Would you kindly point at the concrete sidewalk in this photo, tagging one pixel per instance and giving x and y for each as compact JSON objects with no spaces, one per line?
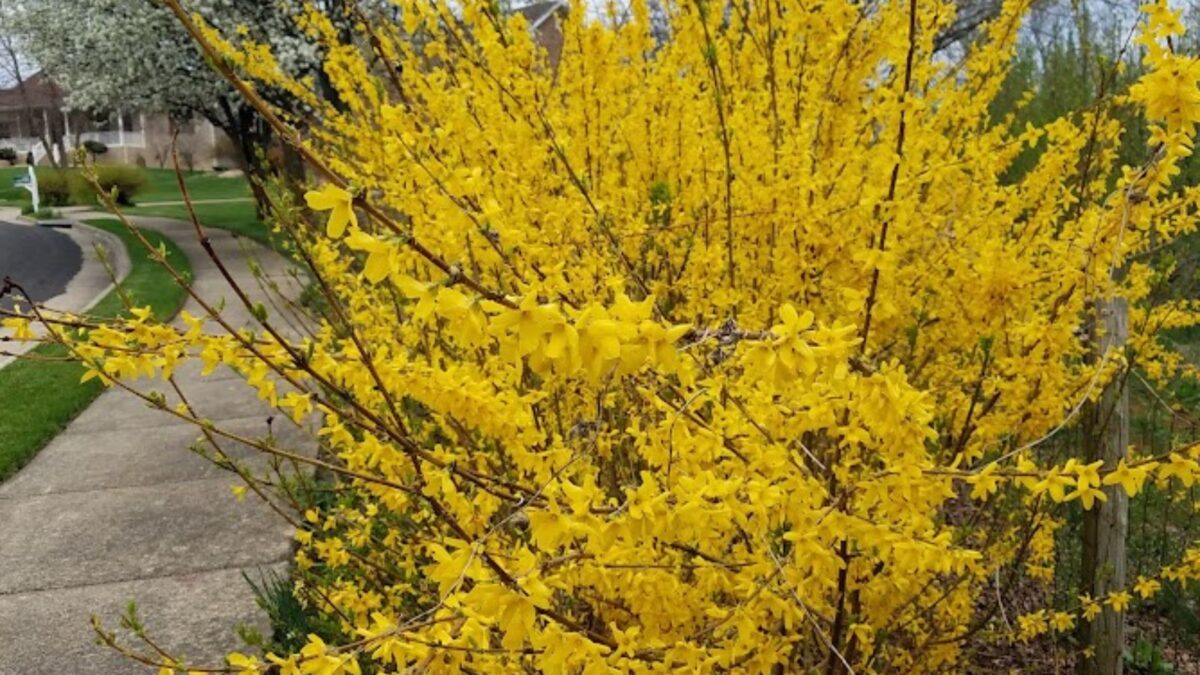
{"x":117,"y":508}
{"x":198,"y":202}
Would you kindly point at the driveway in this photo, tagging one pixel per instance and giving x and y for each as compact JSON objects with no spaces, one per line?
{"x":42,"y":260}
{"x":58,"y":268}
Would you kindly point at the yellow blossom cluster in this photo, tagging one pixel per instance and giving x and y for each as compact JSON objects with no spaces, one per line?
{"x":731,"y":352}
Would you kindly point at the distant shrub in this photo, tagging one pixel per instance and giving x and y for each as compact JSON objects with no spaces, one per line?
{"x":95,"y":147}
{"x":8,"y":155}
{"x":54,"y":187}
{"x":128,"y":181}
{"x":80,"y":191}
{"x":43,"y":213}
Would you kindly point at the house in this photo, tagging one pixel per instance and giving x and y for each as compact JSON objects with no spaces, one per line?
{"x":33,"y":114}
{"x":34,"y":119}
{"x":544,"y":22}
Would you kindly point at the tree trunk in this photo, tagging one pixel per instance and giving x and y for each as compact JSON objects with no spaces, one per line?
{"x":258,"y":172}
{"x":251,"y":136}
{"x":294,"y":172}
{"x":1106,"y":437}
{"x":46,"y":137}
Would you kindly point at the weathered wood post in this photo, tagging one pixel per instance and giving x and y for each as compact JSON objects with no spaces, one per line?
{"x":1106,"y":437}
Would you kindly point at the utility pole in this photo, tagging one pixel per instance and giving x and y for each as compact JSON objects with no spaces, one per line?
{"x":1106,"y":437}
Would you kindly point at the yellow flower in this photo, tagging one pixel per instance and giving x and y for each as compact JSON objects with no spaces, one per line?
{"x":338,"y":202}
{"x":1163,"y":20}
{"x":1119,"y":600}
{"x":599,"y":340}
{"x":300,"y":405}
{"x":380,"y":258}
{"x":20,"y":327}
{"x":1032,"y":625}
{"x":1170,"y":92}
{"x":287,"y":666}
{"x":1088,"y":497}
{"x":1129,"y":478}
{"x":466,"y":319}
{"x":984,"y":483}
{"x":245,"y":665}
{"x":529,"y":323}
{"x":657,"y":343}
{"x":1146,"y":587}
{"x":1056,"y":484}
{"x":1062,"y":621}
{"x":424,"y":293}
{"x":1182,"y":468}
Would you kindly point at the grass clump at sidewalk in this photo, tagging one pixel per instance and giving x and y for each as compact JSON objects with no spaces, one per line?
{"x":41,"y":395}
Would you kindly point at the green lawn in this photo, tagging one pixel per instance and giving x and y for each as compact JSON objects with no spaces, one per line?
{"x":39,"y":398}
{"x":163,"y":187}
{"x":10,"y":194}
{"x":237,"y":217}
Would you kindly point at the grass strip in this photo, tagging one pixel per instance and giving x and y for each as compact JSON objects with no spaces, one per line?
{"x":240,"y":218}
{"x":39,"y":398}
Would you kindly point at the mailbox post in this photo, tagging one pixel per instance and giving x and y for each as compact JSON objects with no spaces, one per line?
{"x":30,"y":183}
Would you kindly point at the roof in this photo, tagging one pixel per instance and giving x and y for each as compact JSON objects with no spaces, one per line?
{"x":537,"y":13}
{"x":41,"y":93}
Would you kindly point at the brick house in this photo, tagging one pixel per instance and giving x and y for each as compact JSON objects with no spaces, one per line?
{"x":32,"y":113}
{"x":543,"y":19}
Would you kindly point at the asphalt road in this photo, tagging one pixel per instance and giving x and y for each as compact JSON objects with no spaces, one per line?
{"x":43,"y":261}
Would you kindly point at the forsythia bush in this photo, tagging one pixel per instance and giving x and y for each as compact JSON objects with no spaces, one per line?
{"x":734,"y":352}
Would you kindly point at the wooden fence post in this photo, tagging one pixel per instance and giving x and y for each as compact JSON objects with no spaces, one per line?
{"x":1106,"y":437}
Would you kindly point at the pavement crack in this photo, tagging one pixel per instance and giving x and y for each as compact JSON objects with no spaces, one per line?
{"x":148,"y":577}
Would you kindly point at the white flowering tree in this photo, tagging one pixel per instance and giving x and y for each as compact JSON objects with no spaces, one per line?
{"x":122,"y":54}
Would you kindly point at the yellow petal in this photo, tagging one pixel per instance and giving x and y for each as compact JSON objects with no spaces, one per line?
{"x":328,"y":197}
{"x":337,"y":222}
{"x":378,"y":266}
